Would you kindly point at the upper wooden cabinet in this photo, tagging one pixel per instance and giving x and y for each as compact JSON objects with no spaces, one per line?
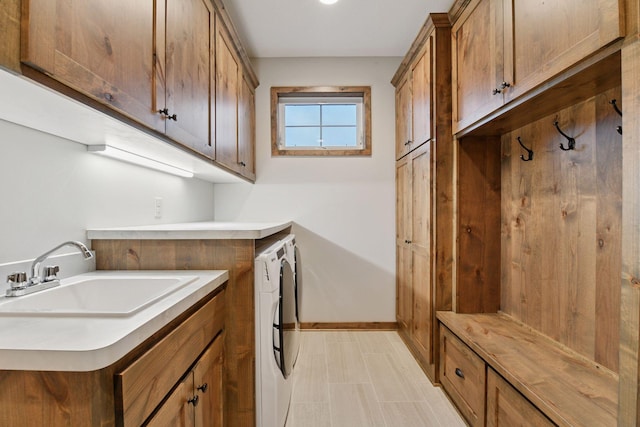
{"x":404,"y":137}
{"x":503,"y":48}
{"x":173,"y":66}
{"x":183,"y":68}
{"x":101,"y":49}
{"x":235,"y":109}
{"x":421,"y":95}
{"x":246,"y":129}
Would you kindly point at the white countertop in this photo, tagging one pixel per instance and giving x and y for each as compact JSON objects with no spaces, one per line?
{"x":88,"y":343}
{"x":191,"y":230}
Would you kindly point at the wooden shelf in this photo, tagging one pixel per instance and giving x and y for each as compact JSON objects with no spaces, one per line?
{"x":567,"y":387}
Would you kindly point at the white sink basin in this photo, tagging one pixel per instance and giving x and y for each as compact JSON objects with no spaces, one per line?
{"x":115,"y":295}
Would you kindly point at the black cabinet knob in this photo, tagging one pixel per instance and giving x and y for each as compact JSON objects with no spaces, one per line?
{"x":203,"y":388}
{"x":459,"y":373}
{"x":193,"y":401}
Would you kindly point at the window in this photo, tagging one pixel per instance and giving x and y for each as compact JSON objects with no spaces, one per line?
{"x":320,"y":121}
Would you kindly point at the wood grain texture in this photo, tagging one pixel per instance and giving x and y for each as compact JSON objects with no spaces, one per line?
{"x":246,"y":129}
{"x":507,"y":407}
{"x":463,"y":375}
{"x":227,"y":95}
{"x":366,"y":326}
{"x":404,"y":127}
{"x":238,"y":257}
{"x":102,"y":54}
{"x":478,"y":208}
{"x":629,"y":409}
{"x":144,"y":384}
{"x":477,"y":61}
{"x":208,"y":383}
{"x":561,"y":236}
{"x":567,"y":387}
{"x":543,"y":42}
{"x":422,"y":95}
{"x":10,"y":16}
{"x":188,"y":72}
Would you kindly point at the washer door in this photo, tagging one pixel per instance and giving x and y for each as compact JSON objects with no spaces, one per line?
{"x":285,"y":325}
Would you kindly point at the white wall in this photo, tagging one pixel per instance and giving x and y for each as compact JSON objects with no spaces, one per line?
{"x":343,"y":208}
{"x":52,"y":190}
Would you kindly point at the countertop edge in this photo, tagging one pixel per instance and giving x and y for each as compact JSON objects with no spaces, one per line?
{"x":98,"y":358}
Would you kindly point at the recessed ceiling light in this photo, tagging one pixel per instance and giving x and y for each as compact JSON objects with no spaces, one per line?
{"x":328,"y":1}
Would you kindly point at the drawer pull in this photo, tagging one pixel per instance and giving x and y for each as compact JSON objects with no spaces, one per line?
{"x":459,"y":373}
{"x":203,"y":388}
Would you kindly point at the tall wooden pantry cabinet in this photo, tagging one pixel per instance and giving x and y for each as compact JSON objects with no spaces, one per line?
{"x":424,"y":189}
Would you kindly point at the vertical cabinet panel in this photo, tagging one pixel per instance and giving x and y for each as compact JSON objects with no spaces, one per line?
{"x":507,"y":407}
{"x":404,"y":296}
{"x":176,"y":410}
{"x":403,"y":118}
{"x":477,"y":61}
{"x":101,"y":49}
{"x":422,"y":96}
{"x":421,"y":250}
{"x":187,"y":73}
{"x":246,"y":130}
{"x":227,"y":72}
{"x":207,"y":376}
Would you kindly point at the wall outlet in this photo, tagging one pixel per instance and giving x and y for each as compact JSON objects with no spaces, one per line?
{"x":158,"y":207}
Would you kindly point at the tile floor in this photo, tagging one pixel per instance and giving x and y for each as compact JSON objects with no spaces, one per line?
{"x":363,"y":378}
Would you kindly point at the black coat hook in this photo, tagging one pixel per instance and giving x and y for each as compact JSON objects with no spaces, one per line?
{"x":572,"y":142}
{"x":615,"y":107}
{"x":529,"y":152}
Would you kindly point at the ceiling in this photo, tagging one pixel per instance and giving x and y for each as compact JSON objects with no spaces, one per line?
{"x":308,"y":28}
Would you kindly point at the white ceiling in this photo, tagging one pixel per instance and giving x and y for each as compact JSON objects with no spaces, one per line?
{"x":308,"y":28}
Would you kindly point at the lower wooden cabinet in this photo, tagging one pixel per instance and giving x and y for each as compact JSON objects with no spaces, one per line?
{"x":197,"y":400}
{"x":463,"y":375}
{"x":507,"y":407}
{"x":146,"y":383}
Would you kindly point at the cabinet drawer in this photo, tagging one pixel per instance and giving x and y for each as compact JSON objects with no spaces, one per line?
{"x":144,"y":383}
{"x":463,"y":375}
{"x":507,"y":407}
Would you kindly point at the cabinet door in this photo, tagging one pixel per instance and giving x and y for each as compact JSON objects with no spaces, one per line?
{"x":421,"y":95}
{"x":176,"y":411}
{"x":477,"y":62}
{"x":403,"y":118}
{"x":246,"y":130}
{"x":101,"y":49}
{"x":187,"y":72}
{"x":546,"y":37}
{"x":208,"y":384}
{"x":507,"y":407}
{"x":421,"y":246}
{"x":227,"y":83}
{"x":404,"y":297}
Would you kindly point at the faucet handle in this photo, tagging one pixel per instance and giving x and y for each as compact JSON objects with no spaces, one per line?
{"x":17,"y":279}
{"x":50,"y":272}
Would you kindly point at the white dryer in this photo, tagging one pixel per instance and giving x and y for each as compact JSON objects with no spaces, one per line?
{"x":291,"y":252}
{"x":277,"y":335}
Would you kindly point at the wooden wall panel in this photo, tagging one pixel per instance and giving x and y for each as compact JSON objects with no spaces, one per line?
{"x":629,"y":404}
{"x":237,"y":256}
{"x":561,"y":215}
{"x":10,"y":40}
{"x":478,"y":255}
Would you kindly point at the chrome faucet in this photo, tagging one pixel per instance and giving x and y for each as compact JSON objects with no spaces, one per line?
{"x":21,"y":285}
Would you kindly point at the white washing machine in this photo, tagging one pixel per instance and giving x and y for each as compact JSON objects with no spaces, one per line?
{"x":291,"y":252}
{"x":277,"y":335}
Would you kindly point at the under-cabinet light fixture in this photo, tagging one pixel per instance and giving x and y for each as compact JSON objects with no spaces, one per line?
{"x":328,"y":1}
{"x":125,"y":156}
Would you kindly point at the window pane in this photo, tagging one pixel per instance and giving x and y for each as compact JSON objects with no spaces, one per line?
{"x":339,"y":137}
{"x":302,"y":115}
{"x":302,"y":137}
{"x":344,"y":114}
